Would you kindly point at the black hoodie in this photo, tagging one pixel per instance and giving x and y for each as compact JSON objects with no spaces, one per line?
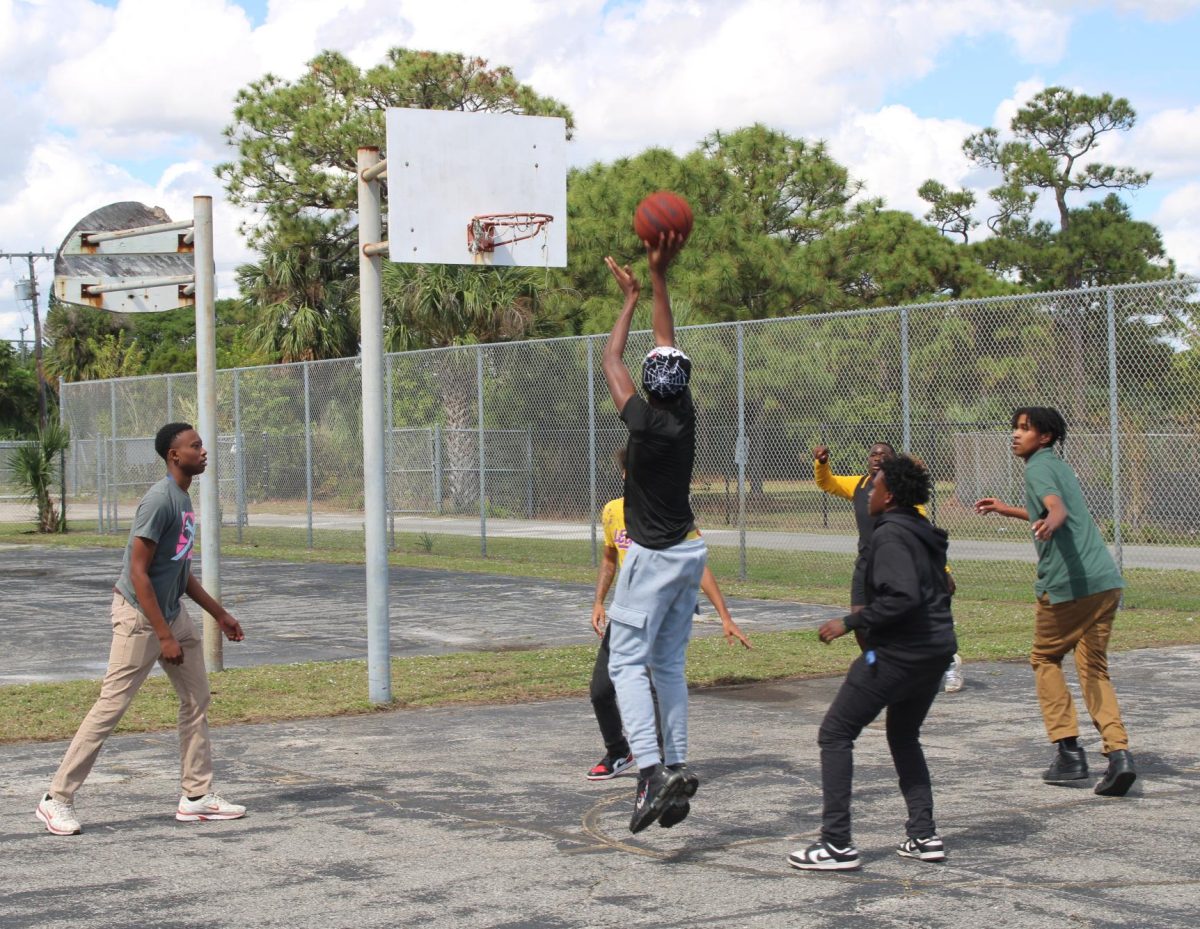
{"x":907,"y":615}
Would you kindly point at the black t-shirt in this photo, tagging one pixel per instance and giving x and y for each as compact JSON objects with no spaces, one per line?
{"x":658,"y":470}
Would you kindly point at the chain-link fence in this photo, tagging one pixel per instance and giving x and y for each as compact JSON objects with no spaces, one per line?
{"x":11,"y":488}
{"x":518,"y":438}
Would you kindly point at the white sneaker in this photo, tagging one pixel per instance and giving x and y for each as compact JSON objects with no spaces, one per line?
{"x":954,"y":676}
{"x":59,"y":817}
{"x":210,"y":806}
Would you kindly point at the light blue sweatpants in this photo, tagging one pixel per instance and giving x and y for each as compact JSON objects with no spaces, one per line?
{"x":651,"y":622}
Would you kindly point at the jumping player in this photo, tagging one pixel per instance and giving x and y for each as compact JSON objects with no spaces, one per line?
{"x":150,"y":624}
{"x":1078,"y":591}
{"x":856,"y":489}
{"x":618,"y":759}
{"x":651,"y":613}
{"x":908,"y":634}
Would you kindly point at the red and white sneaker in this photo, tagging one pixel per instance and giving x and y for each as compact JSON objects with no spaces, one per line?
{"x":210,"y":806}
{"x":59,"y":817}
{"x":609,"y":767}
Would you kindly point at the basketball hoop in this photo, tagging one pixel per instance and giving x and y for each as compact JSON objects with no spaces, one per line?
{"x":488,"y":230}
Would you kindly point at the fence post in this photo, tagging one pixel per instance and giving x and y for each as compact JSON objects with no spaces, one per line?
{"x":170,"y":399}
{"x":111,"y":495}
{"x":742,"y":450}
{"x":905,"y":395}
{"x":389,"y":449}
{"x":99,"y":483}
{"x":529,"y":472}
{"x":239,"y":484}
{"x":482,"y":455}
{"x":437,"y":467}
{"x":1114,"y":431}
{"x":308,"y":494}
{"x":591,"y":401}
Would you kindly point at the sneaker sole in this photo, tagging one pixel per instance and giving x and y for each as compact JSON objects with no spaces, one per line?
{"x":1065,"y":778}
{"x":624,"y":772}
{"x":1120,"y":785}
{"x":49,"y":828}
{"x":206,"y":817}
{"x":675,"y":814}
{"x":672,"y":790}
{"x":800,"y":865}
{"x":921,"y":856}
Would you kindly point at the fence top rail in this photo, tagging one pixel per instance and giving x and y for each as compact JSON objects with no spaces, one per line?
{"x":928,"y":306}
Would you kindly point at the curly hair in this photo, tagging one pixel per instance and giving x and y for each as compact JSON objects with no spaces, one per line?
{"x":1046,"y":420}
{"x":166,"y":437}
{"x":908,"y":480}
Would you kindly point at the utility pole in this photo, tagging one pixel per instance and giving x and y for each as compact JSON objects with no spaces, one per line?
{"x":37,"y":327}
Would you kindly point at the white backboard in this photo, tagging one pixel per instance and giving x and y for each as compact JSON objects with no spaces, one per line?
{"x":446,"y":166}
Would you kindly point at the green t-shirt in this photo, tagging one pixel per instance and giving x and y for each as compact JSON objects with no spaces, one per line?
{"x":1075,"y":562}
{"x":164,"y":516}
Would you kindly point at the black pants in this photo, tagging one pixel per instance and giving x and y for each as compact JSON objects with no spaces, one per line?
{"x":604,"y":703}
{"x":907,"y":692}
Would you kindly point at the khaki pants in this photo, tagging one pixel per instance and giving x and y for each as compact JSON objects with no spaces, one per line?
{"x":1082,"y":625}
{"x":134,"y":650}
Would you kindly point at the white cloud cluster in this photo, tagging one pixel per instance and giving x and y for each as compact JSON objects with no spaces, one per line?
{"x":127,"y":100}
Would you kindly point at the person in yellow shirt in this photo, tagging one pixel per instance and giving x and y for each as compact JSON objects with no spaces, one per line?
{"x":617,"y":758}
{"x":857,"y":488}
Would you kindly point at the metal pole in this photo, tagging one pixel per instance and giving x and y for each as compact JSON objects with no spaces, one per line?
{"x":370,"y":283}
{"x":905,"y":398}
{"x":239,"y":454}
{"x":740,"y":453}
{"x":591,"y":402}
{"x":206,"y":394}
{"x":308,"y":493}
{"x":1114,"y":430}
{"x":170,"y":399}
{"x":110,"y":470}
{"x":99,"y":483}
{"x":37,"y":345}
{"x":482,"y":455}
{"x":437,"y":467}
{"x":529,"y":472}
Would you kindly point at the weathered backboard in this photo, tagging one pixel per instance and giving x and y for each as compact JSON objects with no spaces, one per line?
{"x":155,"y":256}
{"x":445,"y":167}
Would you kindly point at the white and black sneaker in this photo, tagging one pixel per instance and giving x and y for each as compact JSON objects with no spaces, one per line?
{"x":930,"y":849}
{"x":655,"y":792}
{"x":823,"y":856}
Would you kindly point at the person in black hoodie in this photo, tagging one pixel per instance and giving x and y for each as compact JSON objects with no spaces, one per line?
{"x":908,"y":634}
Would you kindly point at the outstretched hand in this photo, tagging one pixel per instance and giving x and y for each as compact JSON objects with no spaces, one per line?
{"x":630,"y":286}
{"x":821,"y":453}
{"x":663,"y":252}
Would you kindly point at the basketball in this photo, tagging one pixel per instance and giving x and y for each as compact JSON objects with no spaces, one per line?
{"x":660,"y":213}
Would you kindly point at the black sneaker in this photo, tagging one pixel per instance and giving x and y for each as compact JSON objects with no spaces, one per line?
{"x":655,"y":792}
{"x":930,"y":849}
{"x":1069,"y":764}
{"x":678,"y":811}
{"x":822,"y":856}
{"x":609,"y":767}
{"x":1120,"y":775}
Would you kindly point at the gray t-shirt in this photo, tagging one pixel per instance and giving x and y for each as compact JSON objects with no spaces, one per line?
{"x":164,"y":517}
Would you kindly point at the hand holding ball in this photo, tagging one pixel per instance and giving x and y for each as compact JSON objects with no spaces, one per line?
{"x":660,"y":213}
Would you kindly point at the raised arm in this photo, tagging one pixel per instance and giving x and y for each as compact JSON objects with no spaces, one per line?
{"x":616,"y":375}
{"x":660,"y":255}
{"x":995,"y":505}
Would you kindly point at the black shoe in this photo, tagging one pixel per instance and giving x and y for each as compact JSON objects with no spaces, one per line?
{"x":678,"y":811}
{"x":655,"y":792}
{"x":1069,"y":764}
{"x":1120,"y":775}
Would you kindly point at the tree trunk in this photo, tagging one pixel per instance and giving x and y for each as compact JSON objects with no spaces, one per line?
{"x":456,"y":385}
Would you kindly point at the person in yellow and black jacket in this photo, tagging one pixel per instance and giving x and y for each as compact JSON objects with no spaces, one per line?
{"x":856,"y":489}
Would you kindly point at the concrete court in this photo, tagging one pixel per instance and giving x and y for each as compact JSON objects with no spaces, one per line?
{"x":480,"y":817}
{"x":312,"y":612}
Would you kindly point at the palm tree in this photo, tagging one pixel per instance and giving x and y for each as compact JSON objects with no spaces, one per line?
{"x":303,"y":290}
{"x":35,"y":467}
{"x":439,"y":306}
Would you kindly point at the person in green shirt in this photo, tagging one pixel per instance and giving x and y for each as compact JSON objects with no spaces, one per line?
{"x":1078,"y":591}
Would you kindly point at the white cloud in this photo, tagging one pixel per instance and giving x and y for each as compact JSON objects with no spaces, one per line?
{"x":1166,"y":143}
{"x":894,"y":151}
{"x":1178,"y":217}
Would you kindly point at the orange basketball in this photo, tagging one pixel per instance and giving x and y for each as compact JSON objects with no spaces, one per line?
{"x":662,"y":212}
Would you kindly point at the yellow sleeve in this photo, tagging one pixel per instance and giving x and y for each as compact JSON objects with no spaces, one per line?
{"x":831,"y":483}
{"x":612,"y":521}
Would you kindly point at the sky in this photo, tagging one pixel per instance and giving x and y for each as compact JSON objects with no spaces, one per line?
{"x":109,"y":100}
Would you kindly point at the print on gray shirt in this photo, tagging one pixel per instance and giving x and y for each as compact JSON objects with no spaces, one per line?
{"x":164,"y":517}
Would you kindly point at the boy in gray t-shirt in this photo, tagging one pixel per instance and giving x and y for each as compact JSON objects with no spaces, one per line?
{"x":150,"y":624}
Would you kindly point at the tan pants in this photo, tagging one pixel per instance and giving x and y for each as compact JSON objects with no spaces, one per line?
{"x":1085,"y":626}
{"x":134,"y":650}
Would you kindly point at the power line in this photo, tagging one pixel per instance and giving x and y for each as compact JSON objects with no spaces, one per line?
{"x":32,"y":257}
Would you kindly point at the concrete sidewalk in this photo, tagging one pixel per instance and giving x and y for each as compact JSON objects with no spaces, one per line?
{"x":481,"y":817}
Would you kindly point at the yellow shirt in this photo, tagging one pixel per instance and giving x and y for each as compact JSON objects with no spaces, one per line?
{"x":612,"y":517}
